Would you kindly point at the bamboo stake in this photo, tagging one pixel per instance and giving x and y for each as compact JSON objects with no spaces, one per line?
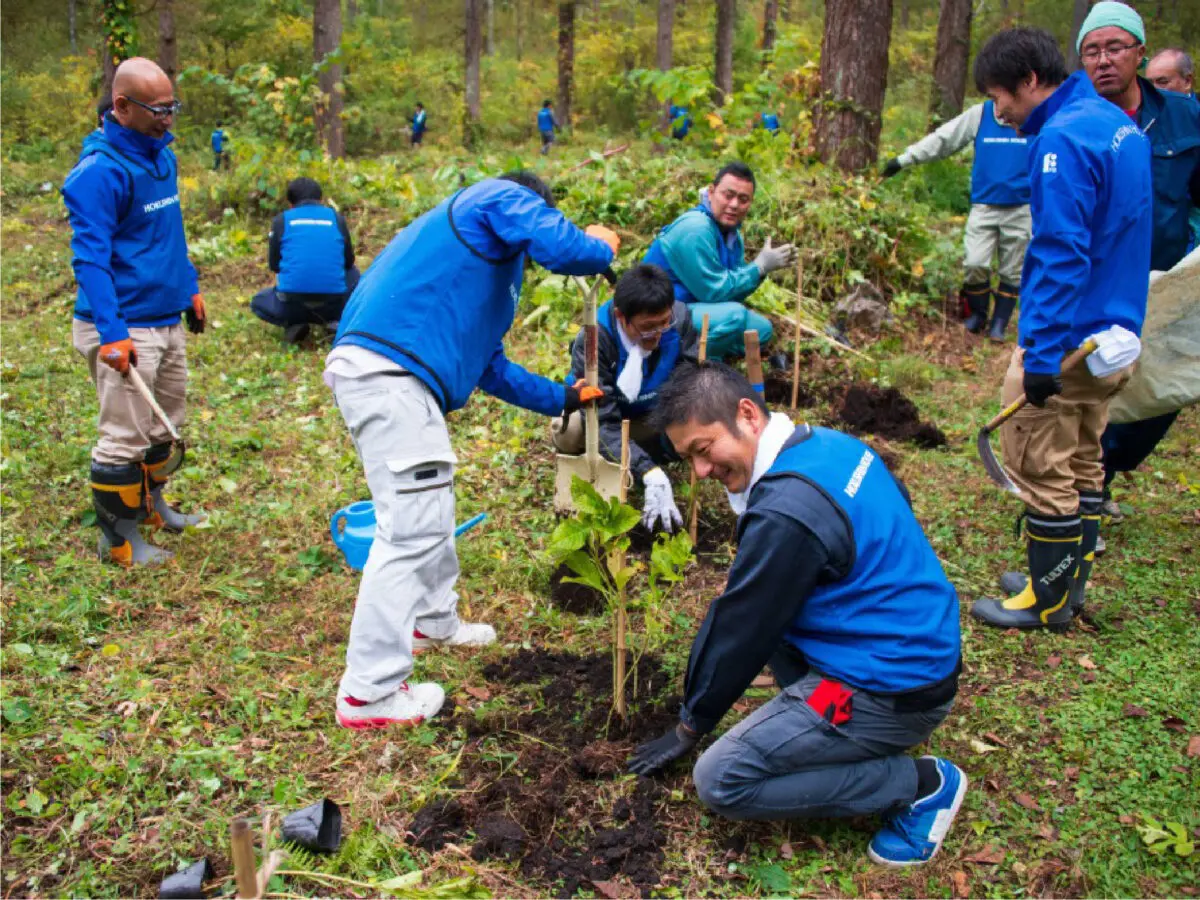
{"x":796,"y":348}
{"x":242,"y":846}
{"x":591,"y":374}
{"x":693,"y":500}
{"x":754,"y":369}
{"x":619,"y":623}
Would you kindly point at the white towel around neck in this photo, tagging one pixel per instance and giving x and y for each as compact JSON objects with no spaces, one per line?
{"x":770,"y":442}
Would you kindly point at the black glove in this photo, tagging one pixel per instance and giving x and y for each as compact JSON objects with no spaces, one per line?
{"x":1040,"y":388}
{"x":654,"y":756}
{"x":893,"y":166}
{"x":576,"y":397}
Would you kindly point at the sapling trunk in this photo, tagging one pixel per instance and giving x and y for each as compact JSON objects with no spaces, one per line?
{"x":591,"y":373}
{"x":754,"y":370}
{"x":693,"y":499}
{"x":799,"y":324}
{"x":619,"y":613}
{"x":242,"y":847}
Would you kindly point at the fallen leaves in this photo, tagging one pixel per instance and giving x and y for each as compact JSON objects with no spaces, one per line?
{"x":1027,"y":801}
{"x":990,"y":855}
{"x":479,"y":693}
{"x":1085,"y":662}
{"x":1048,"y":833}
{"x":1134,"y":712}
{"x":1174,"y":723}
{"x":962,"y":887}
{"x":1193,"y":747}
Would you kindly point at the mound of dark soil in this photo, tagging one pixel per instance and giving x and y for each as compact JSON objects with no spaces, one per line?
{"x":777,"y":389}
{"x":571,"y":597}
{"x":889,"y":414}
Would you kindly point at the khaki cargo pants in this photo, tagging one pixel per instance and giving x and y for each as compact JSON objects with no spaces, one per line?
{"x":995,"y":231}
{"x":1053,"y":453}
{"x":128,"y":427}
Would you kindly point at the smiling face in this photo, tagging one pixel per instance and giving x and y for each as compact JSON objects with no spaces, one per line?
{"x":1111,"y":56}
{"x":730,"y":200}
{"x":139,"y":83}
{"x":717,"y":452}
{"x":646,"y":329}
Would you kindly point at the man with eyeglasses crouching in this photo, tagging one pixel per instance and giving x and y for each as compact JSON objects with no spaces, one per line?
{"x":135,"y":280}
{"x":644,"y":332}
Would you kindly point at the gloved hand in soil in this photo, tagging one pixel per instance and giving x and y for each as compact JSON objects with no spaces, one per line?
{"x":654,"y":756}
{"x":659,"y":505}
{"x":893,"y":167}
{"x":578,"y":394}
{"x":1040,"y":388}
{"x":771,"y":258}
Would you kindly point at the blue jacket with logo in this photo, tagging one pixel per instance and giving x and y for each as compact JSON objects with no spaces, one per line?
{"x":441,"y":296}
{"x":128,"y":248}
{"x":1088,"y":262}
{"x":546,"y":121}
{"x":217,"y":139}
{"x":1172,"y":123}
{"x":311,"y":250}
{"x":1000,"y":175}
{"x":832,"y":572}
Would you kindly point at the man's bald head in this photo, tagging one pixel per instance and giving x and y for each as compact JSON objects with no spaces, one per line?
{"x":1172,"y":70}
{"x":137,"y":84}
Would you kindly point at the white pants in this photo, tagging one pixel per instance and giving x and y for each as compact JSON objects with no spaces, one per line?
{"x":996,"y":231}
{"x":408,"y":582}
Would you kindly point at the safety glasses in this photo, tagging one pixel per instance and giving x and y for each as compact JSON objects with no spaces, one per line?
{"x":159,"y":112}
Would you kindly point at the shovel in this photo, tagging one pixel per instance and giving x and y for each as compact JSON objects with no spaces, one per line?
{"x":988,"y":456}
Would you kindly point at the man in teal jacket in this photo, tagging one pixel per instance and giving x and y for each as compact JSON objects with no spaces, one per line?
{"x":703,"y":253}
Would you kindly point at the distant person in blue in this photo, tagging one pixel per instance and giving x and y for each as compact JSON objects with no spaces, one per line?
{"x":220,"y":154}
{"x":547,"y":125}
{"x":311,"y":251}
{"x":1087,"y":272}
{"x":424,"y":329}
{"x":769,"y":121}
{"x":836,"y":586}
{"x":418,"y":124}
{"x":681,"y":122}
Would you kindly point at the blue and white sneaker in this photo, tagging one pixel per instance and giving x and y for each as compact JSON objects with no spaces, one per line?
{"x":914,"y":836}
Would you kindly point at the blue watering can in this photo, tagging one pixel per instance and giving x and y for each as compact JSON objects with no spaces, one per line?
{"x":353,"y":529}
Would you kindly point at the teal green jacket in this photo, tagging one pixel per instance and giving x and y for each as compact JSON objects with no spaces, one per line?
{"x":706,"y":264}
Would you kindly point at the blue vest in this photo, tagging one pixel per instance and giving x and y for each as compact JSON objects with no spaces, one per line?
{"x":682,"y":122}
{"x":418,"y":123}
{"x":312,"y":253}
{"x":217,"y":140}
{"x":891,"y":624}
{"x":1000,"y":176}
{"x":545,"y":120}
{"x":728,"y":254}
{"x":652,"y":378}
{"x":770,"y":122}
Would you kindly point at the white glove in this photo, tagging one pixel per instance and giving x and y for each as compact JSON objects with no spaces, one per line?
{"x":771,"y":258}
{"x":1116,"y":349}
{"x":660,"y":502}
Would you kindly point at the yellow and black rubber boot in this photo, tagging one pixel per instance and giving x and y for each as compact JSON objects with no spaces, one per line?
{"x":119,"y":497}
{"x":1089,"y":511}
{"x":977,"y":298}
{"x":1053,"y":550}
{"x":1006,"y":302}
{"x":162,"y":460}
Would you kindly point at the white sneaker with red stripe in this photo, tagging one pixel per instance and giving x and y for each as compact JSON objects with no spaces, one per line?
{"x":409,"y":706}
{"x":468,"y":634}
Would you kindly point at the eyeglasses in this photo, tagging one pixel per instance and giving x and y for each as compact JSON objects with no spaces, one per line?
{"x":1112,"y":51}
{"x":159,"y":112}
{"x":651,"y":335}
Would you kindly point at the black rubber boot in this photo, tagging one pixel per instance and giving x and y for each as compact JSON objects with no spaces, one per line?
{"x":1089,"y":511}
{"x":977,"y":298}
{"x":119,"y":496}
{"x":1053,"y":549}
{"x":1006,"y":302}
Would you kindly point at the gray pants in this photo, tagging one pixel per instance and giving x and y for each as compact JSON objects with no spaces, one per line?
{"x":784,"y":761}
{"x":1001,"y":231}
{"x":408,"y":582}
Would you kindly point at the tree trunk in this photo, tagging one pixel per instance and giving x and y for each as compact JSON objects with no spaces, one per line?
{"x":517,"y":17}
{"x":473,"y":46}
{"x":904,"y":8}
{"x":1079,"y":14}
{"x":950,"y":64}
{"x":785,"y":10}
{"x":351,"y":12}
{"x":770,"y":15}
{"x":117,"y":40}
{"x":491,"y":27}
{"x":726,"y":12}
{"x":566,"y":59}
{"x":168,"y":49}
{"x":71,"y":26}
{"x":665,"y":45}
{"x":854,"y":65}
{"x":327,"y":115}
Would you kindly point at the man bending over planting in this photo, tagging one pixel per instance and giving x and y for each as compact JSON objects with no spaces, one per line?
{"x":644,"y":333}
{"x":424,"y":328}
{"x":836,"y":586}
{"x":703,"y":253}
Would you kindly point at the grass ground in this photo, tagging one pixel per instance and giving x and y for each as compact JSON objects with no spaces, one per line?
{"x":143,"y":710}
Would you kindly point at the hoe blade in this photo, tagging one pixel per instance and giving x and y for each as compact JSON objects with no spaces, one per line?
{"x":994,"y":469}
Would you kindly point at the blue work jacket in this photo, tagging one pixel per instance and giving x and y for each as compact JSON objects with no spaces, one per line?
{"x":1172,"y":122}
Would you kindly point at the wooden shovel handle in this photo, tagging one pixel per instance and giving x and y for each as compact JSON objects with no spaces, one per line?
{"x":1074,"y":359}
{"x":136,"y":380}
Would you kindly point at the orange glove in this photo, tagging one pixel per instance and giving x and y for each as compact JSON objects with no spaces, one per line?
{"x":119,"y":354}
{"x":579,"y":394}
{"x":605,"y":234}
{"x":197,"y":316}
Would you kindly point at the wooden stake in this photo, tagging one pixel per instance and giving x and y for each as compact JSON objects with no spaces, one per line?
{"x":693,"y":500}
{"x":754,"y":370}
{"x":591,"y":374}
{"x":242,"y":846}
{"x":605,"y":155}
{"x":796,"y":349}
{"x":619,"y":624}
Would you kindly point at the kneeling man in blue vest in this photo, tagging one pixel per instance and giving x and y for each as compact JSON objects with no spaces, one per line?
{"x":644,"y":333}
{"x":311,"y":251}
{"x":836,"y":587}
